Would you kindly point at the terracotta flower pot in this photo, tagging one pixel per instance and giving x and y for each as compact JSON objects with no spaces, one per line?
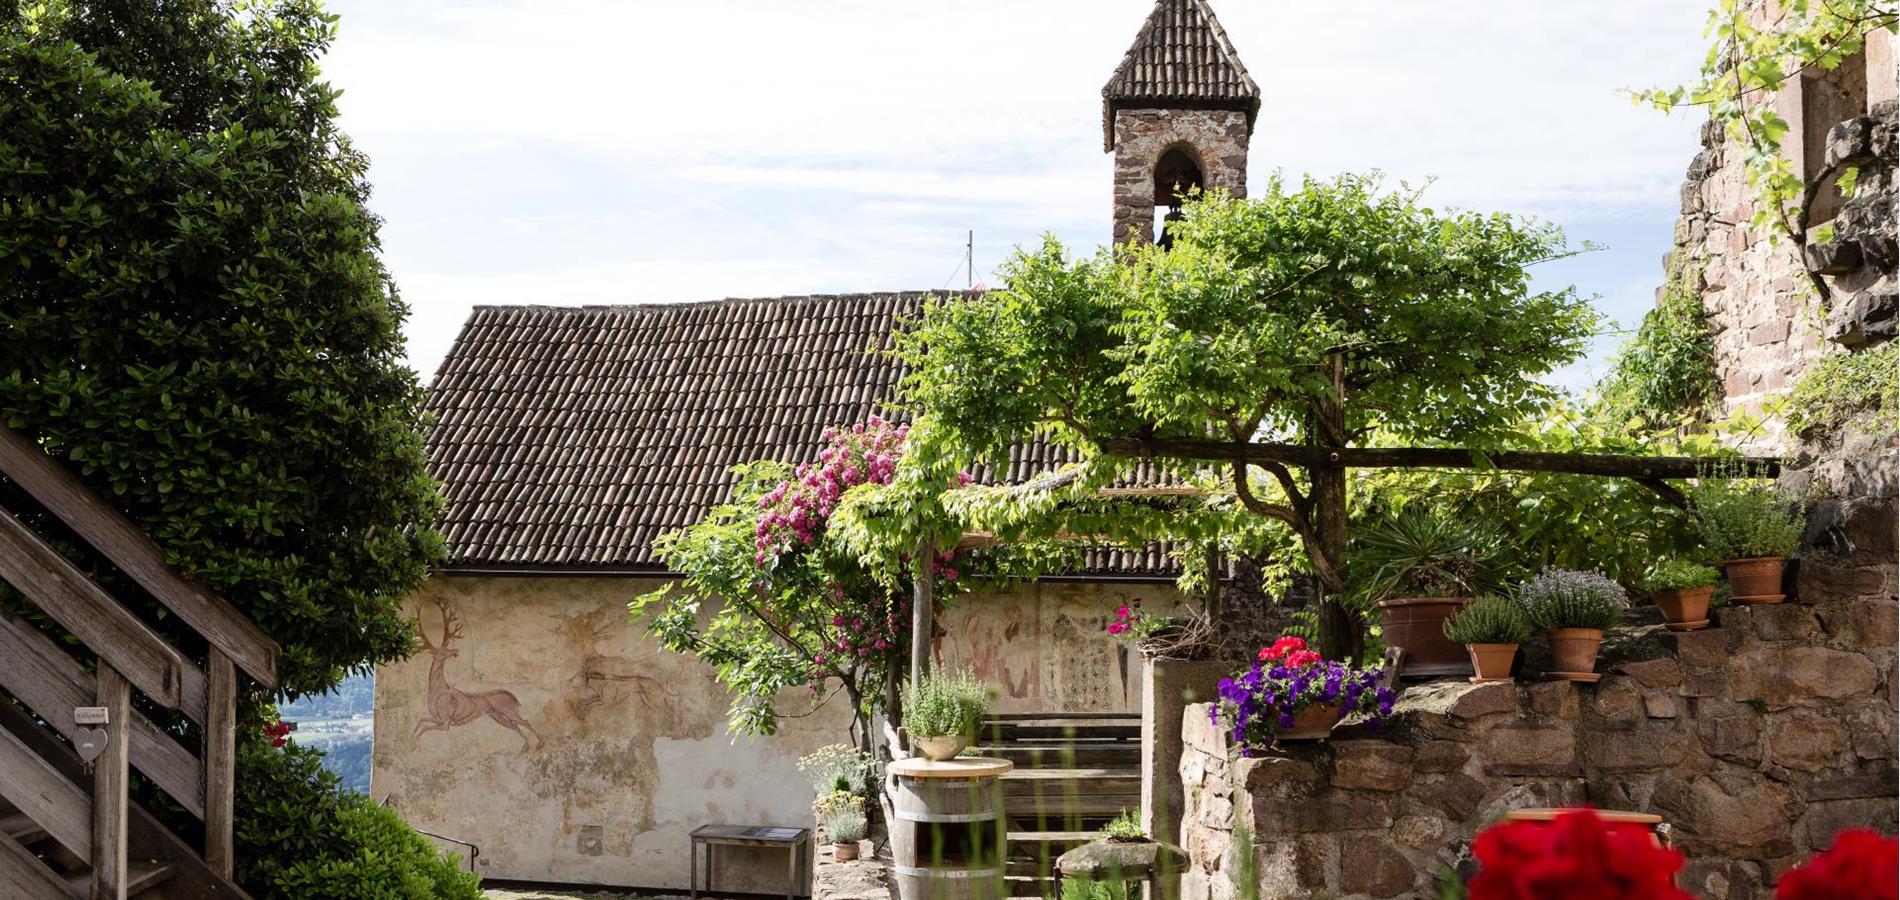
{"x":1492,"y":661}
{"x":941,"y":747}
{"x":1686,"y":609}
{"x":1756,"y":580}
{"x":1417,"y":624}
{"x":844,"y":851}
{"x":1574,"y":650}
{"x":1311,"y":724}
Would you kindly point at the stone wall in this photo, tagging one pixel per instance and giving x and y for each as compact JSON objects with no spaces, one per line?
{"x":1215,"y":138}
{"x":1756,"y":740}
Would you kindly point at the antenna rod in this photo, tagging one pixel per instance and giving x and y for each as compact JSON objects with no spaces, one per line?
{"x":969,"y":262}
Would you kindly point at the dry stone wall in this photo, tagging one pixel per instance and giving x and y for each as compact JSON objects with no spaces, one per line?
{"x":1215,"y":138}
{"x":1756,"y":740}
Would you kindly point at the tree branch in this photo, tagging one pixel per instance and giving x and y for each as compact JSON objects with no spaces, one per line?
{"x":1601,"y":464}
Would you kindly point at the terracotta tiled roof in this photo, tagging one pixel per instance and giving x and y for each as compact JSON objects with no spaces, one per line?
{"x":1181,"y":58}
{"x":571,"y":437}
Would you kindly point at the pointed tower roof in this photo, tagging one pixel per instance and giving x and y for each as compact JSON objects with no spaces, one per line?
{"x":1181,"y":59}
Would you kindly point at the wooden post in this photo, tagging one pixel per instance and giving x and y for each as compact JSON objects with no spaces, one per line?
{"x":922,"y":611}
{"x":220,"y":761}
{"x":109,"y":785}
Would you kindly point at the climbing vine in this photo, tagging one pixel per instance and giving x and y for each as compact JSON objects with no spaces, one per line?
{"x":1750,"y":57}
{"x":1666,"y":372}
{"x":1839,"y":388}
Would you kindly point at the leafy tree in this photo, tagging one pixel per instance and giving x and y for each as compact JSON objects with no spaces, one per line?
{"x":194,"y":316}
{"x":1329,"y":314}
{"x":1666,"y":371}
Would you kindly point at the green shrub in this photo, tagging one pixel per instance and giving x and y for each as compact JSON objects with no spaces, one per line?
{"x":1740,"y":519}
{"x":842,"y":817}
{"x":1423,"y":552}
{"x":1560,"y":598}
{"x":1084,"y":889}
{"x":1490,"y":619}
{"x":1840,"y":387}
{"x":1676,"y":574}
{"x":299,"y":837}
{"x":1667,"y":370}
{"x":1125,"y":828}
{"x":839,"y":767}
{"x":947,"y":704}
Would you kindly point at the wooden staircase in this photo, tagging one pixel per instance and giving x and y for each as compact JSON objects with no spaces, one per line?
{"x":1074,"y":772}
{"x":68,"y":828}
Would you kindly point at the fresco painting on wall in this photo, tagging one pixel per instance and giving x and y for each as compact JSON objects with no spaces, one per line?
{"x":450,"y":706}
{"x":612,"y":680}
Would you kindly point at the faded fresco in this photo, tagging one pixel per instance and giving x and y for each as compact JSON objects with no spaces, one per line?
{"x":541,"y":724}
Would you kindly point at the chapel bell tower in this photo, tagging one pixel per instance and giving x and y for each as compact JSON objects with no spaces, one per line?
{"x":1177,"y":114}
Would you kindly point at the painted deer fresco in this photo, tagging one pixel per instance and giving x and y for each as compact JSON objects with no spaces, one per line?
{"x":450,"y":706}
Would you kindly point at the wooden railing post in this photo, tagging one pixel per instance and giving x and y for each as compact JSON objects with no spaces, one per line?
{"x":109,"y":786}
{"x":220,"y":762}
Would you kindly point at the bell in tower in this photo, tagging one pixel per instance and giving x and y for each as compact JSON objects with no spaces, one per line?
{"x":1177,"y":114}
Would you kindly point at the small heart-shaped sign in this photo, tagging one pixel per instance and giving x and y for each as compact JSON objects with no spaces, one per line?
{"x":90,"y":742}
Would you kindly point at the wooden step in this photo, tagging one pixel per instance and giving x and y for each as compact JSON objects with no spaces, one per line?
{"x":1063,"y":716}
{"x":20,"y":828}
{"x":1011,"y":733}
{"x":1064,"y":756}
{"x":144,"y":875}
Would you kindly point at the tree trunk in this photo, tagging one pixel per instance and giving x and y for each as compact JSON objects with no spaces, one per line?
{"x":1340,"y":637}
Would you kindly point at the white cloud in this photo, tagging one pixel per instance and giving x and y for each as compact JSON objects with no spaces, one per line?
{"x":602,"y":151}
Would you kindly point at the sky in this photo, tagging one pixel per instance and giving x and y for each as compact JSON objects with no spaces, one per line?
{"x":593,"y":151}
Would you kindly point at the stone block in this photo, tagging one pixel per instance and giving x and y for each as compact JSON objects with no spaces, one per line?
{"x":1863,"y":623}
{"x":1784,"y":622}
{"x":1722,"y":879}
{"x":1741,"y":816}
{"x":1868,"y":780}
{"x":1661,"y":705}
{"x":1324,"y":812}
{"x":1653,"y":673}
{"x":1850,"y":143}
{"x":1825,"y":820}
{"x":1372,"y":866}
{"x":1704,"y":682}
{"x":1736,"y":738}
{"x":1484,"y":700}
{"x":1456,"y":795}
{"x":1420,"y":832}
{"x":1641,"y":750}
{"x":1278,"y":775}
{"x":1557,"y":699}
{"x":1530,"y":750}
{"x":1805,"y":741}
{"x":1618,"y":700}
{"x":1781,"y":678}
{"x":1707,"y":648}
{"x":1371,"y":765}
{"x":1441,"y":756}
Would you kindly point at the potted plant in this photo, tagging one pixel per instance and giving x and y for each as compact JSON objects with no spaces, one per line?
{"x":1490,"y":628}
{"x":1752,"y":531}
{"x":841,"y":815}
{"x":1682,"y":589}
{"x":1573,"y":608}
{"x":1291,"y":693}
{"x":1420,"y":567}
{"x":942,"y":712}
{"x":1125,"y":829}
{"x":839,"y":767}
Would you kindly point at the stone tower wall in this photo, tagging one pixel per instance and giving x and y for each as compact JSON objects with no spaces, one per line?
{"x":1216,"y":138}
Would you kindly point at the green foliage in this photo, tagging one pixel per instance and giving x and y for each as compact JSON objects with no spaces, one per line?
{"x":1423,"y":552}
{"x":1841,"y":387}
{"x":1085,"y":889}
{"x":1491,"y":619}
{"x":1750,"y":58}
{"x":841,"y":814}
{"x":195,"y":317}
{"x":1666,"y":371}
{"x":946,"y":704}
{"x":839,"y":767}
{"x":301,"y":838}
{"x":1741,"y":519}
{"x":1561,"y":598}
{"x":1677,"y":574}
{"x":1125,"y":827}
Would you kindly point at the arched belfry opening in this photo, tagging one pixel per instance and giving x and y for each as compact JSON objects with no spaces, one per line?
{"x":1177,"y":114}
{"x":1177,"y":176}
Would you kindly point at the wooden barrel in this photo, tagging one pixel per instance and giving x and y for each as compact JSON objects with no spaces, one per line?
{"x":947,"y":829}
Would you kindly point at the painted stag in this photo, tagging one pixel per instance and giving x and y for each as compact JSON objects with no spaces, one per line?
{"x":450,"y":706}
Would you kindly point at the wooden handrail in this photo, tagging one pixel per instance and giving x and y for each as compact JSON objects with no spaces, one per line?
{"x":51,"y":683}
{"x":134,"y":552}
{"x":93,"y":616}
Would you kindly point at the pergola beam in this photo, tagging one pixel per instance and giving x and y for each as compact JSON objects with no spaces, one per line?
{"x":1600,"y":464}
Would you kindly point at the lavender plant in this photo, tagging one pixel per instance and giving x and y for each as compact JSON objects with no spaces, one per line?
{"x":1561,"y":598}
{"x":1288,"y":678}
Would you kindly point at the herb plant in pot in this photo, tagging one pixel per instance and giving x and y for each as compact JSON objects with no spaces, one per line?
{"x":942,"y":712}
{"x":1421,"y":566}
{"x":1573,"y":608}
{"x":1291,"y":693}
{"x":1752,"y":530}
{"x":1490,"y":628}
{"x":841,"y":815}
{"x":1682,"y":589}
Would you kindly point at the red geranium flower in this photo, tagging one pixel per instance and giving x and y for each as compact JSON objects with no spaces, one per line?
{"x":1283,"y":647}
{"x":1861,"y":865}
{"x":1574,"y":857}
